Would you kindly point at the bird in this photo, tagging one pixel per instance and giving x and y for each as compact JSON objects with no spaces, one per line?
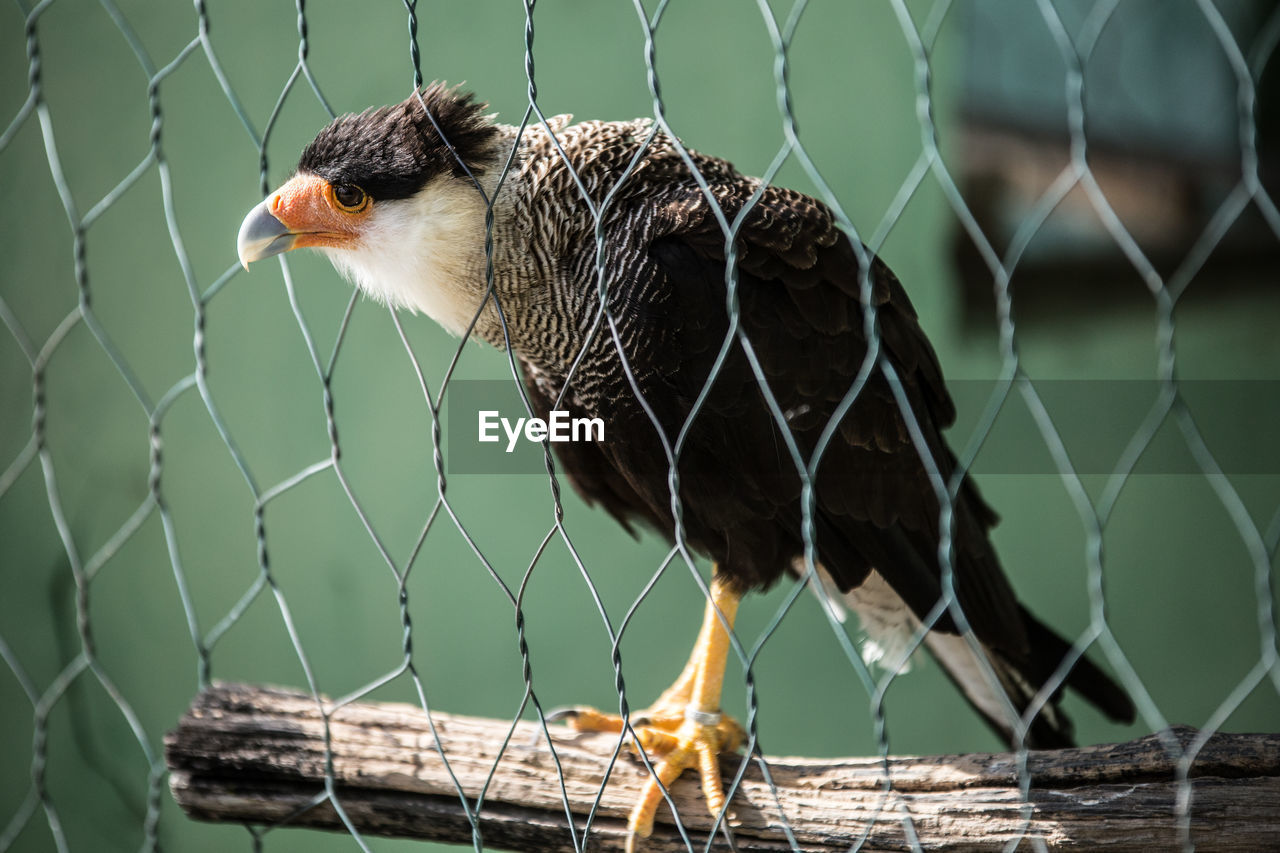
{"x":598,"y":253}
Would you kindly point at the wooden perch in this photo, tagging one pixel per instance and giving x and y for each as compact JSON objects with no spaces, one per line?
{"x":257,"y":755}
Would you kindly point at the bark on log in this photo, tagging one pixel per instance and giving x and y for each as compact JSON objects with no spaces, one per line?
{"x":251,"y":754}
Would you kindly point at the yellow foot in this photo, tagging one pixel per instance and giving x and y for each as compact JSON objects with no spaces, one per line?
{"x":683,"y":729}
{"x":674,"y":741}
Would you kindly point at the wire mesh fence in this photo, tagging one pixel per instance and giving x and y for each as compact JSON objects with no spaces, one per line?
{"x":213,"y":473}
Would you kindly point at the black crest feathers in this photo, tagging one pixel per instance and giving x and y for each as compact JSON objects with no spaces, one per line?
{"x":391,"y":152}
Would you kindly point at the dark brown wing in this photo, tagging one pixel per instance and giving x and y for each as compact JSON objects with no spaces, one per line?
{"x":799,"y":285}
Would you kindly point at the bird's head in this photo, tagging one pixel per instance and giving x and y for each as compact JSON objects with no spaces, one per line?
{"x":389,"y":202}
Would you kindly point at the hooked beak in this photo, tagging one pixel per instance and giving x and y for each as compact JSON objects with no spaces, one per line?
{"x":262,"y":235}
{"x":301,"y":213}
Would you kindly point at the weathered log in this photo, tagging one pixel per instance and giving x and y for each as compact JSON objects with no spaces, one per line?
{"x":251,"y":754}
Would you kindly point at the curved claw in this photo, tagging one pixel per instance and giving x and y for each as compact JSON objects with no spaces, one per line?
{"x":568,"y":712}
{"x":586,"y":719}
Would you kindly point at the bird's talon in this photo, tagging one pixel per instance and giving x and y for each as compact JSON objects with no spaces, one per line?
{"x":568,"y":714}
{"x":652,"y":741}
{"x":582,"y":718}
{"x":692,"y":745}
{"x":673,"y":740}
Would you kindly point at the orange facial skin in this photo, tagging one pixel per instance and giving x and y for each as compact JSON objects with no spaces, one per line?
{"x":306,"y":205}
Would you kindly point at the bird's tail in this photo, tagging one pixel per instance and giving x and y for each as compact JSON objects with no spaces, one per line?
{"x":889,"y":625}
{"x":1022,"y":680}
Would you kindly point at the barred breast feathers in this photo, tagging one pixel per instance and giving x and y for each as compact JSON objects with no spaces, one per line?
{"x":599,"y":154}
{"x":549,"y":260}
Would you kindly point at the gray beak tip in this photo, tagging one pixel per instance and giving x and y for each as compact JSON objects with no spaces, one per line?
{"x":262,"y":235}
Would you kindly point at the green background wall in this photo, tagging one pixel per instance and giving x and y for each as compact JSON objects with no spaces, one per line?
{"x":1179,"y":578}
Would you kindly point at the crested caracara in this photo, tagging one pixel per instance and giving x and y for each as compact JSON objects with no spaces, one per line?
{"x":391,"y":197}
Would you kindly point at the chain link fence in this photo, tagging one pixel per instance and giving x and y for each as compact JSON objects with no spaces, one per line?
{"x":209,"y":473}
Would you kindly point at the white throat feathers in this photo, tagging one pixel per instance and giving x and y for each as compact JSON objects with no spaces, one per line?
{"x":424,"y":253}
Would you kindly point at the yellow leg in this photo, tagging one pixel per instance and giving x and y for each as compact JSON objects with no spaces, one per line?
{"x":684,"y":727}
{"x":702,"y":733}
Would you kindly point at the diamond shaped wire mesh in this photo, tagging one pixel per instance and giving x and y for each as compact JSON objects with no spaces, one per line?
{"x":43,"y":350}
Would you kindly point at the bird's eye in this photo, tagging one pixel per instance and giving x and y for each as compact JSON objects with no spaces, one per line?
{"x":350,"y":197}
